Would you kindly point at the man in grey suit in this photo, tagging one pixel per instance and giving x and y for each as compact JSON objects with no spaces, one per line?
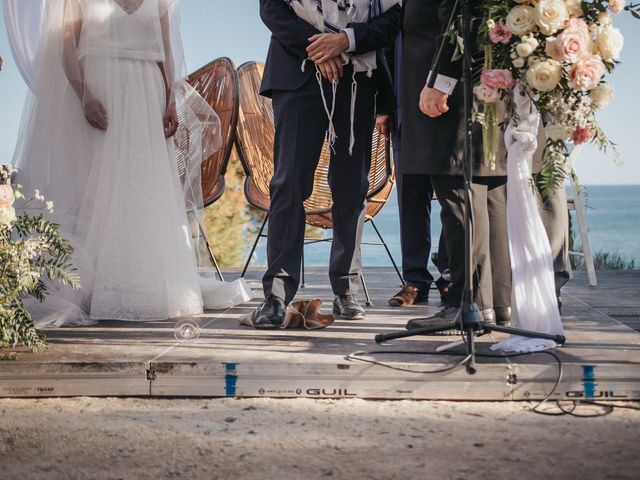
{"x":432,"y":138}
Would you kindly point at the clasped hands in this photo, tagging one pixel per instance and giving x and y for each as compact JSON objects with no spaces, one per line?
{"x":325,"y":50}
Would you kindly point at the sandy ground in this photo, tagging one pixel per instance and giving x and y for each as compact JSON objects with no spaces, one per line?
{"x":309,"y":439}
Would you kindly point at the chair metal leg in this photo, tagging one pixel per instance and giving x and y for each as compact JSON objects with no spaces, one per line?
{"x":369,"y":303}
{"x":582,"y":223}
{"x":212,"y":257}
{"x":384,"y":244}
{"x":255,"y":245}
{"x":584,"y":235}
{"x":302,"y":283}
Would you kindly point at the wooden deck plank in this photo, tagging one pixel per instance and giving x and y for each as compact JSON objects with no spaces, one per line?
{"x":136,"y":358}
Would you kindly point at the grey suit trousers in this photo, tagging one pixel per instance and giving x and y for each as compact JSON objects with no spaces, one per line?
{"x":492,"y":266}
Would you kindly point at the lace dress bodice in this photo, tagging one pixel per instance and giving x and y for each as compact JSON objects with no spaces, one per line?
{"x":122,"y":28}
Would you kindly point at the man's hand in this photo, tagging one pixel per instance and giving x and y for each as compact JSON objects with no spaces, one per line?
{"x":170,"y":121}
{"x":96,"y":114}
{"x":384,"y":125}
{"x":331,"y":70}
{"x":327,"y":45}
{"x":433,"y":103}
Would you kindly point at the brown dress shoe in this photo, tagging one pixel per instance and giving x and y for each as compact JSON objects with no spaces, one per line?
{"x":409,"y":295}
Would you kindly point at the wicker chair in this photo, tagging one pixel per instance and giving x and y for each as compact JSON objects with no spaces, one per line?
{"x":254,"y":141}
{"x":217,"y":84}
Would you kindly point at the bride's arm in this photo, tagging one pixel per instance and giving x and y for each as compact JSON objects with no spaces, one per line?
{"x":71,"y":64}
{"x":94,"y":111}
{"x":167,"y":68}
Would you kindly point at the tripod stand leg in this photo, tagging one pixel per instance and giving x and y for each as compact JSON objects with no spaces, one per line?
{"x":384,"y":244}
{"x":255,"y":245}
{"x":366,"y":290}
{"x":471,"y":351}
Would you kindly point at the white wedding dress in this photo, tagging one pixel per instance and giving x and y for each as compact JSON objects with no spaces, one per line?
{"x":117,"y":193}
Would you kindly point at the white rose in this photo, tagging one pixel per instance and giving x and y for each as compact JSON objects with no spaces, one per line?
{"x":520,"y":20}
{"x":610,"y":42}
{"x":550,"y":15}
{"x":574,"y":7}
{"x":7,"y":216}
{"x":518,"y":62}
{"x":555,"y":131}
{"x":524,"y":49}
{"x":601,"y":96}
{"x":544,"y":75}
{"x":531,"y":40}
{"x":605,"y":19}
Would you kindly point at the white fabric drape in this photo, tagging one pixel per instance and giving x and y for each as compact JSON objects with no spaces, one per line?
{"x":534,"y":300}
{"x":23,"y":19}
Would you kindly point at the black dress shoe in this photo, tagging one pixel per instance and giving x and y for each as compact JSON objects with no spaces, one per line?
{"x":347,"y":307}
{"x":503,"y":316}
{"x":445,"y":319}
{"x":270,"y":314}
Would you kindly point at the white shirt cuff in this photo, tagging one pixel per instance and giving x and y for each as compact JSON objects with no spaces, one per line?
{"x":352,"y":38}
{"x":445,"y":84}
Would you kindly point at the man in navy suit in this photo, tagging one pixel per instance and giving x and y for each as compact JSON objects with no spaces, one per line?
{"x":301,"y":60}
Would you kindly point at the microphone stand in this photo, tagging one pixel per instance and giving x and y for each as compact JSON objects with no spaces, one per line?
{"x":470,"y":319}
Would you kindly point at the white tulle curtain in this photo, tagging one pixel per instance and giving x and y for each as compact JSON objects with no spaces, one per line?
{"x":23,"y":19}
{"x":534,"y":299}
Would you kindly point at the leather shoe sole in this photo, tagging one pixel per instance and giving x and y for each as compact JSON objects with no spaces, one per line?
{"x":348,"y":316}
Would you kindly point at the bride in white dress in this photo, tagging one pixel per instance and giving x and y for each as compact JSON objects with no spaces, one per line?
{"x":97,"y":140}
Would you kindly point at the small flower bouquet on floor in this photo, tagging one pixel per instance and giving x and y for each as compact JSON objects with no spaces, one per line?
{"x":31,"y":250}
{"x":559,"y":51}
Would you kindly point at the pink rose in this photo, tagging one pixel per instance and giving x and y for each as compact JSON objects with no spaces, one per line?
{"x":500,"y":34}
{"x":572,"y":44}
{"x":486,"y":94}
{"x":497,"y":79}
{"x":616,"y":6}
{"x":6,"y":196}
{"x":582,"y":135}
{"x":586,"y":73}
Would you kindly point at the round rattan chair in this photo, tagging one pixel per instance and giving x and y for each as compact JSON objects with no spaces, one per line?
{"x":255,"y":145}
{"x":217,"y":85}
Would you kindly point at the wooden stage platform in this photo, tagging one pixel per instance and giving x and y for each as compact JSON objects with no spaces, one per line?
{"x":601,"y":359}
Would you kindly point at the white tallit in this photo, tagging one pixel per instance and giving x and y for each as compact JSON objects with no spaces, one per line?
{"x":332,"y":16}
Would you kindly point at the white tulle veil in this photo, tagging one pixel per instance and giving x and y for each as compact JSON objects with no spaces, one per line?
{"x":54,"y":145}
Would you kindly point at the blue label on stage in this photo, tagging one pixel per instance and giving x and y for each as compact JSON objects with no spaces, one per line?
{"x":230,"y":379}
{"x":589,"y":381}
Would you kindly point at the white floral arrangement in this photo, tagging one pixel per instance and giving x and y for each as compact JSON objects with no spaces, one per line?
{"x":31,"y":250}
{"x":560,"y":52}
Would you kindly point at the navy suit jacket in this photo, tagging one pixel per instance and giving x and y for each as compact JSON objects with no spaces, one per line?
{"x":290,"y":38}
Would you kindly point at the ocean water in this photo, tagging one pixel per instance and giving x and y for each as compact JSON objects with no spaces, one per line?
{"x":613,"y":220}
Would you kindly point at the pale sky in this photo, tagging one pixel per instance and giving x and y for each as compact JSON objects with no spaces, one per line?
{"x":232,"y":28}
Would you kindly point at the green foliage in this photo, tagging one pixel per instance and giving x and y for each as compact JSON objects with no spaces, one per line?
{"x":605,"y":261}
{"x":31,"y":250}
